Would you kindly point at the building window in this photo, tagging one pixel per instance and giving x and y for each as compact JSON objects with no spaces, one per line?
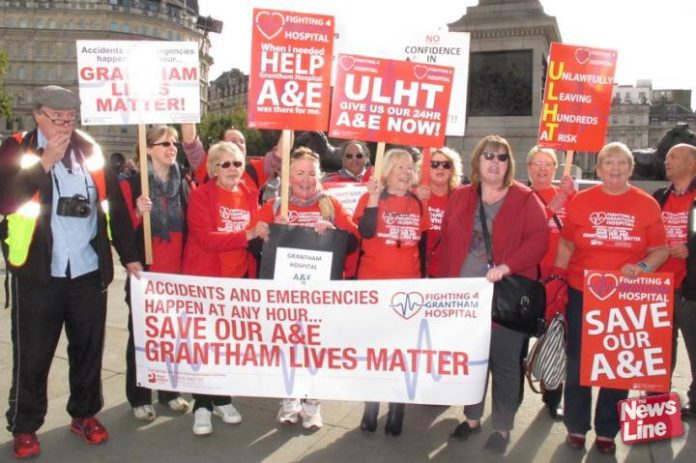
{"x":114,"y":26}
{"x":125,"y":28}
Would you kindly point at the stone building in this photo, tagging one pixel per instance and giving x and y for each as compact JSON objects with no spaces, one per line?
{"x":39,"y":37}
{"x":227,"y":91}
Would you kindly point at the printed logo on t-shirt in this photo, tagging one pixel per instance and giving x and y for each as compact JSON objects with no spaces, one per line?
{"x":436,"y":215}
{"x":612,"y":229}
{"x":304,"y":218}
{"x":233,"y":219}
{"x":399,"y":228}
{"x":676,"y":225}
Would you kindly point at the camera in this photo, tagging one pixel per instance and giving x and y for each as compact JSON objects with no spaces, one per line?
{"x":74,"y":206}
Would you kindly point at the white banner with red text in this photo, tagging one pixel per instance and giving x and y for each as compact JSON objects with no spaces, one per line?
{"x":407,"y":341}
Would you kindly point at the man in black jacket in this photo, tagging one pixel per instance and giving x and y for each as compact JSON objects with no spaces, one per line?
{"x":63,"y":206}
{"x":677,"y":203}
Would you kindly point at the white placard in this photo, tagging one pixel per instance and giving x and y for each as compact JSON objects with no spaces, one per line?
{"x":138,"y":82}
{"x":302,"y":265}
{"x":347,"y":193}
{"x":407,"y":341}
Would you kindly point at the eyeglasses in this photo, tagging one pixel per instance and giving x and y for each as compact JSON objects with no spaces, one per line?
{"x":503,"y":157}
{"x":443,"y":164}
{"x":357,"y":155}
{"x":542,"y":164}
{"x":165,"y":144}
{"x":228,"y":164}
{"x":59,"y":121}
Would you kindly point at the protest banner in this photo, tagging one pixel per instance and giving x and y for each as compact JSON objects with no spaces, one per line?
{"x":290,"y":77}
{"x":441,"y":47}
{"x":650,"y":418}
{"x":343,"y":340}
{"x":346,"y":193}
{"x":390,"y":101}
{"x":138,"y":82}
{"x":627,"y":331}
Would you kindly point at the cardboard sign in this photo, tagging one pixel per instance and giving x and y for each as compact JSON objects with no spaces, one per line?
{"x":289,"y":82}
{"x":440,"y":47}
{"x":650,"y":418}
{"x":341,"y":340}
{"x":390,"y":101}
{"x":627,"y":331}
{"x":138,"y":82}
{"x":577,"y":98}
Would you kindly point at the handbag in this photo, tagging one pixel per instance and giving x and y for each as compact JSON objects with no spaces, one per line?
{"x":519,"y":302}
{"x":545,"y":364}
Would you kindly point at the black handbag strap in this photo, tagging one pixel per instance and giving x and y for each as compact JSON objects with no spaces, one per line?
{"x":555,"y":217}
{"x":484,"y":228}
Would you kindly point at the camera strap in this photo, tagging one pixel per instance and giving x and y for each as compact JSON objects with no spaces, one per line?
{"x":57,"y":183}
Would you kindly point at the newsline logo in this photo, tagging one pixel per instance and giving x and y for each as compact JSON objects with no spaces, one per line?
{"x":650,"y":418}
{"x":435,"y":305}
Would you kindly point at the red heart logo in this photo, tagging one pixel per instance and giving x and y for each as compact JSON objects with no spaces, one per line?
{"x":270,"y":23}
{"x":406,"y":305}
{"x":420,"y":71}
{"x":602,"y":285}
{"x":582,"y":55}
{"x":346,"y":62}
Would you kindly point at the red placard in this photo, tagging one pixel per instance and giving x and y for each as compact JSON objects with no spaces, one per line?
{"x":650,"y":418}
{"x":290,"y":78}
{"x":577,"y":98}
{"x":627,"y":331}
{"x":390,"y":101}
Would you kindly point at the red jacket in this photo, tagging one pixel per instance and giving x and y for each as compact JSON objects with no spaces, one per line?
{"x":520,"y":231}
{"x":204,"y":243}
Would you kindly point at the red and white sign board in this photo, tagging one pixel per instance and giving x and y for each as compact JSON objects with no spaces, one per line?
{"x":627,"y":331}
{"x":347,"y":193}
{"x":290,"y":78}
{"x":390,"y":101}
{"x":650,"y":418}
{"x":138,"y":82}
{"x":341,"y":340}
{"x":577,"y":98}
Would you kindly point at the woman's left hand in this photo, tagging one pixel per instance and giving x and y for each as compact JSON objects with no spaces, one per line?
{"x":322,"y":225}
{"x":497,"y":273}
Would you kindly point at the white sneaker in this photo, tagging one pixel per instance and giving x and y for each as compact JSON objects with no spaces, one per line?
{"x":228,"y":413}
{"x":145,"y":413}
{"x":289,"y":411}
{"x":178,"y":404}
{"x":201,"y":422}
{"x":311,"y":414}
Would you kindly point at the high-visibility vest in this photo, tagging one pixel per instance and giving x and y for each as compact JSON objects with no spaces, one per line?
{"x":21,"y":224}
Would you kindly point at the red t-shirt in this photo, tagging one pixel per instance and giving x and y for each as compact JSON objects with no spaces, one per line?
{"x":307,"y":216}
{"x":609,"y":231}
{"x":675,"y":216}
{"x":233,"y":216}
{"x":393,"y":251}
{"x":547,"y":263}
{"x":436,"y":210}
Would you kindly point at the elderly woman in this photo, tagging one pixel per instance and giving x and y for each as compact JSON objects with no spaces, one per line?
{"x":584,"y":244}
{"x":356,"y":164}
{"x":166,"y":203}
{"x":519,"y":236}
{"x":542,"y":164}
{"x":445,"y":175}
{"x":392,"y":223}
{"x":219,"y":218}
{"x":308,"y":206}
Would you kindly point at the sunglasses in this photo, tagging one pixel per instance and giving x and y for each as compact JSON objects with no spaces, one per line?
{"x":165,"y":144}
{"x":357,"y":155}
{"x":228,"y":164}
{"x":443,"y":164}
{"x":539,"y":164}
{"x":500,"y":157}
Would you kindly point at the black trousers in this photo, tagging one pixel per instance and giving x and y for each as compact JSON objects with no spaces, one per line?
{"x":136,"y":394}
{"x":39,"y":312}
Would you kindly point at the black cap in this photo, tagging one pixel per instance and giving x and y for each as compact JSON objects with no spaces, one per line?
{"x":56,"y":97}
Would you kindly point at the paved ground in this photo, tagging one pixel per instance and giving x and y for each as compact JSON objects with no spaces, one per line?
{"x":169,"y":439}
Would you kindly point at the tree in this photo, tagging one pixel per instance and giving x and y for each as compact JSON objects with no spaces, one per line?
{"x":5,"y":101}
{"x":258,"y":141}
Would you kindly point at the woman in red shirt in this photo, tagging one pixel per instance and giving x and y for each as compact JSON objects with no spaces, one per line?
{"x":392,"y":223}
{"x":445,"y":175}
{"x":219,"y":218}
{"x":308,"y":206}
{"x":519,"y":239}
{"x":586,"y":244}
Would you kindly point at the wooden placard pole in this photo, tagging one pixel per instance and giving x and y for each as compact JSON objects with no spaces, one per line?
{"x":145,"y":188}
{"x":285,"y":146}
{"x":568,"y":162}
{"x":379,"y":157}
{"x":425,"y":166}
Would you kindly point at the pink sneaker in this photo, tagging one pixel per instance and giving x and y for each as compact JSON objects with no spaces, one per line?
{"x":26,"y":445}
{"x":90,"y":429}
